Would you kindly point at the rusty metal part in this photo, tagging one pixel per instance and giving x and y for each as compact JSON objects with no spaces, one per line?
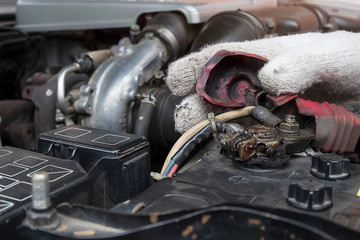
{"x":290,"y":125}
{"x":295,"y":139}
{"x":290,"y":130}
{"x":264,"y":146}
{"x":242,"y":145}
{"x":337,"y":130}
{"x":258,"y":140}
{"x":229,"y":79}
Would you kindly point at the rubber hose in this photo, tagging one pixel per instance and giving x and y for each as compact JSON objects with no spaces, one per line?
{"x":144,"y":116}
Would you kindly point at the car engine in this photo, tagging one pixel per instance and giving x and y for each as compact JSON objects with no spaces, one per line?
{"x":89,"y":147}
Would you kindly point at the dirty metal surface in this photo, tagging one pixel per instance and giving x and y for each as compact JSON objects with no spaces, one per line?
{"x":264,"y":147}
{"x":257,"y":140}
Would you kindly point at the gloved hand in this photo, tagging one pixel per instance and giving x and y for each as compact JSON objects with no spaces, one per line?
{"x":318,"y":66}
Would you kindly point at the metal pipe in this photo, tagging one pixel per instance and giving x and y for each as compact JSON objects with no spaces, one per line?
{"x":61,"y":101}
{"x":116,"y":82}
{"x":98,"y":57}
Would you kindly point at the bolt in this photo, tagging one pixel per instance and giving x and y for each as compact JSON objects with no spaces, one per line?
{"x":134,"y":33}
{"x":72,"y":96}
{"x":135,"y":28}
{"x":41,"y":212}
{"x":289,"y":125}
{"x":40,"y":191}
{"x":289,"y":118}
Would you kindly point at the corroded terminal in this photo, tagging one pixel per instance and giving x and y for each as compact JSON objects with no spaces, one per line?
{"x":263,"y":146}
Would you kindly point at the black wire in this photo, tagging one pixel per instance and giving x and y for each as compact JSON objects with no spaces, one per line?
{"x":184,"y":152}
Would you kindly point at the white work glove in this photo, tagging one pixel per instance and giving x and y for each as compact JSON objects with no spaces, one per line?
{"x":318,"y":66}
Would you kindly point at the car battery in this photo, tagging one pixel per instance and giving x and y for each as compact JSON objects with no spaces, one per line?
{"x":68,"y":183}
{"x":117,"y":163}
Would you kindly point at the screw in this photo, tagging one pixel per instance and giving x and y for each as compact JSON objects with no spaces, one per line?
{"x":40,"y":191}
{"x":134,"y":33}
{"x":289,"y":118}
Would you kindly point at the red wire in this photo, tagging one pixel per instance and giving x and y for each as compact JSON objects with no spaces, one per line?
{"x":173,"y":170}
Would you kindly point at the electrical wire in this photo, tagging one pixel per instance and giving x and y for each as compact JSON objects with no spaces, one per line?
{"x":224,"y":117}
{"x":169,"y":167}
{"x":184,"y":152}
{"x":173,"y":170}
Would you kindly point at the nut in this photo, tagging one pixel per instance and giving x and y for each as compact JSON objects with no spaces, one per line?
{"x":290,"y":124}
{"x":291,"y":127}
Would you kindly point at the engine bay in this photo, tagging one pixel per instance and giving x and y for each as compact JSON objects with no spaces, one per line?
{"x":97,"y":143}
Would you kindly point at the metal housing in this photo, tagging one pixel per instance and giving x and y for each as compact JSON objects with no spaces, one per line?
{"x":51,"y":15}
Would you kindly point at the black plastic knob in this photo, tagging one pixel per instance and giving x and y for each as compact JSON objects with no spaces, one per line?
{"x":310,"y":195}
{"x":330,"y":166}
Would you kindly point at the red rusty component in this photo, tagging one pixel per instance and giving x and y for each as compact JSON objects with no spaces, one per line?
{"x":337,"y":130}
{"x":229,"y":79}
{"x":278,"y":101}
